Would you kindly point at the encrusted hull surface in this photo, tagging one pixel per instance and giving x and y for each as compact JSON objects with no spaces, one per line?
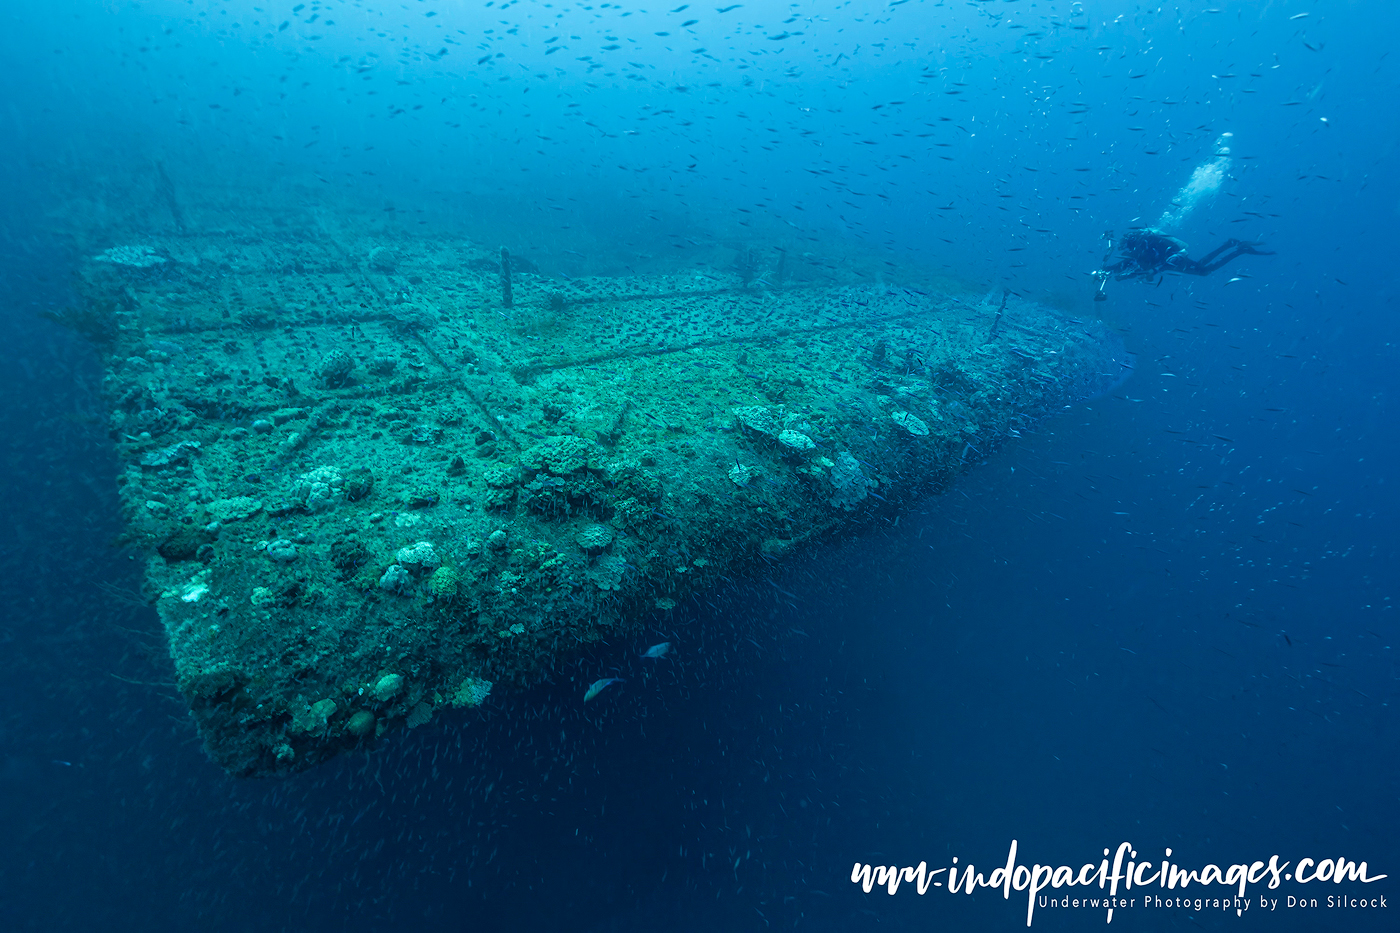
{"x":371,"y":492}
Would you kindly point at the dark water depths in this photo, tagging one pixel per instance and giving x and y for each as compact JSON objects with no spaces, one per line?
{"x":1165,"y":617}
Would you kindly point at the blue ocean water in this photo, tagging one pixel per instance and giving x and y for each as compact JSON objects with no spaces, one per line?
{"x":1164,"y":617}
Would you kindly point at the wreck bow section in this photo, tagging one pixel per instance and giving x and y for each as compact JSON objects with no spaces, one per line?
{"x":371,"y":491}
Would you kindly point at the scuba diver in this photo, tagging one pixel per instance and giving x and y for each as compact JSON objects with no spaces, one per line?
{"x":1147,"y":254}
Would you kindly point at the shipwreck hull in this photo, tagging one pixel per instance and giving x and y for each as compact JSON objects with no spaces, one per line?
{"x":371,"y":491}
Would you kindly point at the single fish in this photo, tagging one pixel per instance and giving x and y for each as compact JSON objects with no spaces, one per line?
{"x":599,"y":686}
{"x":658,"y":651}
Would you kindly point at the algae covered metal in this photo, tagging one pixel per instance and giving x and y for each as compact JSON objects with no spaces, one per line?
{"x":375,"y":483}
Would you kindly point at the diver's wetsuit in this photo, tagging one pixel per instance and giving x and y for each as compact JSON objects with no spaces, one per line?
{"x":1147,"y":253}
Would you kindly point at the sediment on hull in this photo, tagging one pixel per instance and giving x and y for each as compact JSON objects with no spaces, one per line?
{"x":372,"y":490}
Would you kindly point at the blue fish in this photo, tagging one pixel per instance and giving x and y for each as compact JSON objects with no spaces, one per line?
{"x":599,"y":686}
{"x":658,"y":651}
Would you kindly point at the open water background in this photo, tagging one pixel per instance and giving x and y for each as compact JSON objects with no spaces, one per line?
{"x":1165,"y":617}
